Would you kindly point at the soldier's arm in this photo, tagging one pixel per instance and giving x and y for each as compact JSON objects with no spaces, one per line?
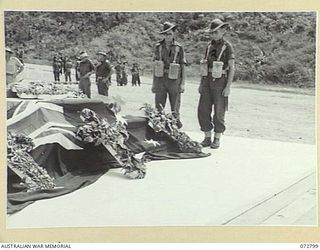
{"x":231,"y":67}
{"x":183,"y":63}
{"x":90,"y":72}
{"x":20,"y":66}
{"x":111,"y":70}
{"x":153,"y":88}
{"x":230,"y":73}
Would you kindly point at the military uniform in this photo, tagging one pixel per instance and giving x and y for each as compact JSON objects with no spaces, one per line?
{"x":164,"y":86}
{"x":103,"y":71}
{"x":56,"y":70}
{"x":67,"y":70}
{"x":211,"y":89}
{"x":118,"y":74}
{"x":135,"y":75}
{"x":85,"y":67}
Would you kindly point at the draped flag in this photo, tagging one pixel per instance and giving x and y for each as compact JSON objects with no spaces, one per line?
{"x":52,"y":126}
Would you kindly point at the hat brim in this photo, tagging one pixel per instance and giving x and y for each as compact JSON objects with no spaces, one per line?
{"x":165,"y":31}
{"x":216,"y":28}
{"x":101,"y":53}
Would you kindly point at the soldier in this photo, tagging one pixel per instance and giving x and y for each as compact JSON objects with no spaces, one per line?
{"x":135,"y":72}
{"x":56,"y":67}
{"x":67,"y":69}
{"x":103,"y":74}
{"x":86,"y":69}
{"x":124,"y":74}
{"x":169,"y":73}
{"x":217,"y":75}
{"x":77,"y":73}
{"x":118,"y":73}
{"x":13,"y":66}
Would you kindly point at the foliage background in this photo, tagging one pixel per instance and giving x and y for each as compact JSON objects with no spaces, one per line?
{"x":270,"y":47}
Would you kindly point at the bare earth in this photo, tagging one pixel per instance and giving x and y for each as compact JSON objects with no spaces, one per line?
{"x":255,"y":111}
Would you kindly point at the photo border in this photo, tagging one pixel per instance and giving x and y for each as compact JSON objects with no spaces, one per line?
{"x":218,"y":234}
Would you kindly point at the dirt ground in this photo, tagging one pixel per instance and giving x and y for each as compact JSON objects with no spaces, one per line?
{"x":255,"y":111}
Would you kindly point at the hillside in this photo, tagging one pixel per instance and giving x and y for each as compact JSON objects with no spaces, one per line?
{"x":270,"y":47}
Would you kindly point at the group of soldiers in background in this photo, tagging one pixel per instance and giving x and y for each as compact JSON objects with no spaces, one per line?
{"x":121,"y":70}
{"x":62,"y":65}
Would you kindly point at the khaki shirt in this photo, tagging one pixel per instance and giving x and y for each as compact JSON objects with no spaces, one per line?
{"x":168,"y":54}
{"x":13,"y":65}
{"x":213,"y":50}
{"x":86,"y":67}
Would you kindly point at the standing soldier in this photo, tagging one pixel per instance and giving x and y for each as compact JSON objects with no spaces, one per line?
{"x":169,"y":72}
{"x":124,"y":74}
{"x":13,"y":68}
{"x":86,"y":69}
{"x":135,"y":75}
{"x":67,"y":70}
{"x":77,"y":69}
{"x":217,"y":70}
{"x":118,"y":73}
{"x":103,"y":74}
{"x":56,"y":67}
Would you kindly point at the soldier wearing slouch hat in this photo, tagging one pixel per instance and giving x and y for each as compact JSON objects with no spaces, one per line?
{"x":169,"y":71}
{"x":217,"y":70}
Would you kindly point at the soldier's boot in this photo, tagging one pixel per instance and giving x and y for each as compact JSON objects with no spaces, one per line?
{"x":206,"y":142}
{"x":216,"y":143}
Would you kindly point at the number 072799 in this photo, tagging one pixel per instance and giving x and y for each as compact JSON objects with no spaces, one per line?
{"x":312,"y":246}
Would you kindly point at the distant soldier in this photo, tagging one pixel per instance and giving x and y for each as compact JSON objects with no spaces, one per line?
{"x":169,"y":71}
{"x":217,"y":75}
{"x":13,"y":66}
{"x":86,"y":69}
{"x":19,"y":54}
{"x":67,"y":70}
{"x":63,"y":64}
{"x":135,"y":72}
{"x":124,"y":74}
{"x":56,"y":67}
{"x":77,"y":72}
{"x":118,"y":73}
{"x":103,"y":74}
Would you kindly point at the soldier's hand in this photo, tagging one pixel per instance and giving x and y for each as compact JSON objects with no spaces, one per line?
{"x":226,"y":92}
{"x":153,"y":89}
{"x":200,"y":89}
{"x":181,"y":89}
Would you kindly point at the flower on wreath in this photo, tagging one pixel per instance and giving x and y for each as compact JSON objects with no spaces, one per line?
{"x":20,"y":161}
{"x":99,"y":131}
{"x":167,"y":123}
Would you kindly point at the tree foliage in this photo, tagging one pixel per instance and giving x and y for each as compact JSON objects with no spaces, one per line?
{"x":273,"y":47}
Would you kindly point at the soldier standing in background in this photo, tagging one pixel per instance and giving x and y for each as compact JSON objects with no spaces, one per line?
{"x":13,"y":68}
{"x":67,"y":70}
{"x":56,"y":66}
{"x":63,"y":64}
{"x":86,"y":69}
{"x":124,"y":74}
{"x":118,"y":73}
{"x":103,"y":74}
{"x":217,"y":70}
{"x":135,"y":72}
{"x":77,"y":73}
{"x":169,"y":71}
